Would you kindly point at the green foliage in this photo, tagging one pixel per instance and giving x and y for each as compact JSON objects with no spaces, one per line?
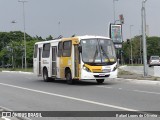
{"x":15,"y":50}
{"x":49,"y":38}
{"x":39,"y":38}
{"x":153,"y":48}
{"x":12,"y":48}
{"x":30,"y":49}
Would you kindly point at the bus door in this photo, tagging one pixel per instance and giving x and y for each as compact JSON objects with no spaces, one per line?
{"x":54,"y":61}
{"x":76,"y":60}
{"x":39,"y":61}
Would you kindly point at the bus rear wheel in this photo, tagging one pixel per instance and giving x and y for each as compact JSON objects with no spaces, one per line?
{"x":100,"y":81}
{"x":69,"y":78}
{"x":45,"y":75}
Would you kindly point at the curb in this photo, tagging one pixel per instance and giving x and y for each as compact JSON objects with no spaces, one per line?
{"x":17,"y":72}
{"x":151,"y":82}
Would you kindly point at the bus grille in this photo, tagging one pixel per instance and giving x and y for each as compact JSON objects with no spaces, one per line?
{"x":101,"y":71}
{"x":97,"y":76}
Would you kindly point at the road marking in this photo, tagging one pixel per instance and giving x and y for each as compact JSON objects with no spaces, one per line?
{"x":146,"y":92}
{"x":104,"y":87}
{"x":109,"y":87}
{"x":72,"y":98}
{"x":28,"y":78}
{"x":5,"y":118}
{"x":131,"y":90}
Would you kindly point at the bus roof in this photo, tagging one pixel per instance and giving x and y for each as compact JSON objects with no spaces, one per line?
{"x":92,"y":36}
{"x":86,"y":37}
{"x":71,"y":38}
{"x":48,"y":41}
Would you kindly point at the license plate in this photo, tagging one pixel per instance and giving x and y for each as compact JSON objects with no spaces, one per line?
{"x":101,"y":74}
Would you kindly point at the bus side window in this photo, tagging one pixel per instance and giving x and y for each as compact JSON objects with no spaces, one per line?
{"x":60,"y":48}
{"x":35,"y":51}
{"x":67,"y":48}
{"x":46,"y":50}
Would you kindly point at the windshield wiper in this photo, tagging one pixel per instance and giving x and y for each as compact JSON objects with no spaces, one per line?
{"x":95,"y":54}
{"x":104,"y":53}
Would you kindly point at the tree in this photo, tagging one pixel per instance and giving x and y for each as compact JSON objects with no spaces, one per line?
{"x":30,"y":51}
{"x":15,"y":52}
{"x":49,"y":37}
{"x":153,"y":48}
{"x":39,"y":38}
{"x":12,"y":46}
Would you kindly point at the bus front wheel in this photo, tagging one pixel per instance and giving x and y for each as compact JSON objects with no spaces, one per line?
{"x":100,"y":81}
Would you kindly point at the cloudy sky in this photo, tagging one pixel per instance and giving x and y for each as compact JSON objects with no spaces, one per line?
{"x":80,"y":17}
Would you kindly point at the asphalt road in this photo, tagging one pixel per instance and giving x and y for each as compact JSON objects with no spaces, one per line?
{"x":26,"y":92}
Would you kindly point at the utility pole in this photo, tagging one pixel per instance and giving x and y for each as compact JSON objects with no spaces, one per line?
{"x":25,"y":53}
{"x":144,"y":38}
{"x":131,"y":44}
{"x":114,"y":11}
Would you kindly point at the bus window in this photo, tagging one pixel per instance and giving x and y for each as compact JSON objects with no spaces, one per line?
{"x":46,"y":50}
{"x":60,"y":48}
{"x":35,"y":51}
{"x":67,"y":49}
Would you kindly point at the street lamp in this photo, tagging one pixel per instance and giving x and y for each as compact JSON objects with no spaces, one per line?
{"x":144,"y":38}
{"x":25,"y":54}
{"x":140,"y":51}
{"x":131,"y":44}
{"x":13,"y":22}
{"x":59,"y":27}
{"x":114,"y":9}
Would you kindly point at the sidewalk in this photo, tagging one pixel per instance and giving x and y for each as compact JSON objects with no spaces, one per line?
{"x":137,"y":77}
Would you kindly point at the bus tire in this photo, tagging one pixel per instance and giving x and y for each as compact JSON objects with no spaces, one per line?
{"x":45,"y":75}
{"x":69,"y":77}
{"x":100,"y":81}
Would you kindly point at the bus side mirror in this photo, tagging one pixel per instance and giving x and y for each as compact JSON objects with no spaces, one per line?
{"x":80,"y":48}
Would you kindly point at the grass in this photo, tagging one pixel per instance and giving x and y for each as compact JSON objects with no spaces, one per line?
{"x":122,"y":72}
{"x":129,"y":75}
{"x":17,"y":69}
{"x":134,"y":64}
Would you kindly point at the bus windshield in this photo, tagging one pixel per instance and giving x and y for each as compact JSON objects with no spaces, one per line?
{"x":98,"y":51}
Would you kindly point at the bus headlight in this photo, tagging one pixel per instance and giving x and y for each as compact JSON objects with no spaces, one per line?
{"x":85,"y":68}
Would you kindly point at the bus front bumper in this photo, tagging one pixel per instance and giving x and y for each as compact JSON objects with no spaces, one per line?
{"x":93,"y":76}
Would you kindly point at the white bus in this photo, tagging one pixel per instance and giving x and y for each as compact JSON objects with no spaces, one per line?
{"x":76,"y":58}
